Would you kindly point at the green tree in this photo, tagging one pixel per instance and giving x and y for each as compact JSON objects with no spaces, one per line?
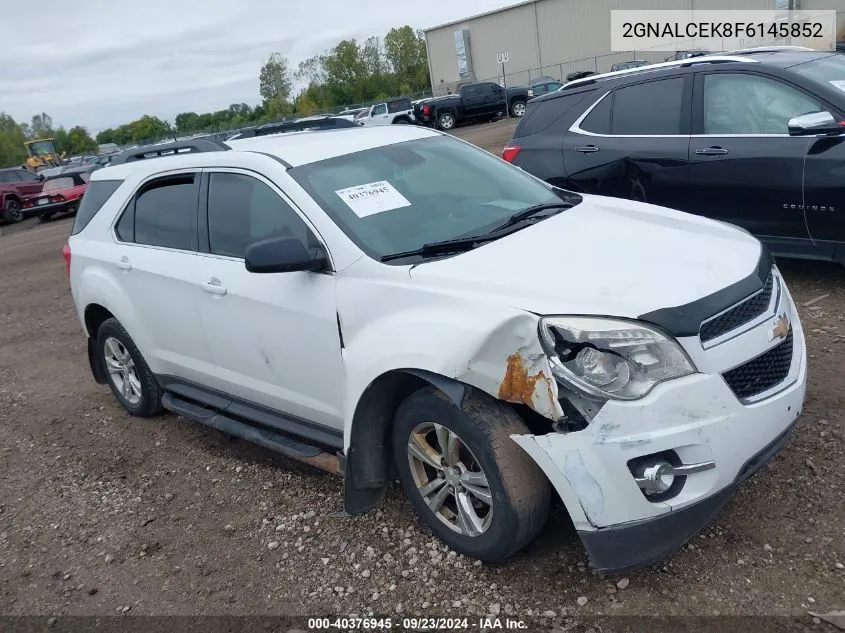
{"x":106,"y":136}
{"x":12,"y":151}
{"x":406,"y":55}
{"x":81,"y":141}
{"x":42,"y":125}
{"x":62,"y":141}
{"x":187,"y":122}
{"x":275,"y":81}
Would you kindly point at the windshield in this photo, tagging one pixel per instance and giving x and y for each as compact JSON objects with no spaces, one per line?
{"x":830,"y":70}
{"x":399,"y":197}
{"x":41,"y":148}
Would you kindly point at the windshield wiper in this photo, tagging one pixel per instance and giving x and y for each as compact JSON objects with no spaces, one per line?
{"x":458,"y":245}
{"x":530,"y":212}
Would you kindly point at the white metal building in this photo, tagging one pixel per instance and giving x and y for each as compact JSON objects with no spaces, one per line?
{"x":554,"y":38}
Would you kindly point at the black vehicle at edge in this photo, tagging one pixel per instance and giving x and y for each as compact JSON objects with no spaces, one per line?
{"x":473,"y":102}
{"x":707,"y":135}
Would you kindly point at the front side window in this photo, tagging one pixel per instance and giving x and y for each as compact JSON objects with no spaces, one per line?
{"x":750,"y":104}
{"x":243,"y":210}
{"x":165,"y":214}
{"x":648,"y":109}
{"x":379,"y":109}
{"x":26,"y":176}
{"x":399,"y":197}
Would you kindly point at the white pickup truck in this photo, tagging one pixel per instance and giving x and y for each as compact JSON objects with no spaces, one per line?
{"x":399,"y":111}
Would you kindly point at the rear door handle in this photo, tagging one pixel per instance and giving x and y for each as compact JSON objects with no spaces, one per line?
{"x":587,"y":149}
{"x":123,"y":263}
{"x":214,"y":287}
{"x":711,"y":151}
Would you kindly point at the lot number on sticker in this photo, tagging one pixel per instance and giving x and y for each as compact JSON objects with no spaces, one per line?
{"x":374,"y":197}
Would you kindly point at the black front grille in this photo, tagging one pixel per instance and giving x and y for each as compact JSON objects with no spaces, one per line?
{"x":746,"y":311}
{"x":761,"y":373}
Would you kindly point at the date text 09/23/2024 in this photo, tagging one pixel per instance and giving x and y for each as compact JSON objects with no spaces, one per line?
{"x":414,"y":624}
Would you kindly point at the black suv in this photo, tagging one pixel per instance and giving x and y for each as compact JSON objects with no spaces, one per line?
{"x":708,"y":135}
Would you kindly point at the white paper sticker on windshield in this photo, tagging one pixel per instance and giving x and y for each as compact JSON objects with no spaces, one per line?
{"x":374,"y":197}
{"x":838,"y":83}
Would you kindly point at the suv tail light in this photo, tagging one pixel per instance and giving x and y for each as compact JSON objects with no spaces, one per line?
{"x":66,"y":255}
{"x":510,"y":152}
{"x":426,"y":109}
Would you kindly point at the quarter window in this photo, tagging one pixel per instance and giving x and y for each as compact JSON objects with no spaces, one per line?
{"x":164,"y":214}
{"x":750,"y":104}
{"x":243,"y":210}
{"x":648,"y":109}
{"x":598,"y":121}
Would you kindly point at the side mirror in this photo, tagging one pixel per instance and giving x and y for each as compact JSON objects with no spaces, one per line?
{"x":284,"y":255}
{"x":814,"y":123}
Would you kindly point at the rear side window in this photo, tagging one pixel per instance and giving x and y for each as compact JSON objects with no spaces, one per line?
{"x":649,"y":109}
{"x":398,"y":105}
{"x":164,"y":213}
{"x":598,"y":121}
{"x":541,"y":115}
{"x":95,"y":197}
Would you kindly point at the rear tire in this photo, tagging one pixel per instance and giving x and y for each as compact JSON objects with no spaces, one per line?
{"x":12,"y":214}
{"x":402,"y":121}
{"x":129,"y":377}
{"x":446,"y":121}
{"x":45,"y":217}
{"x":487,"y":499}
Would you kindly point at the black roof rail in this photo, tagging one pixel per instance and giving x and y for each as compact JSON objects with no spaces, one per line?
{"x":169,"y":149}
{"x":650,"y":68}
{"x":323,"y":123}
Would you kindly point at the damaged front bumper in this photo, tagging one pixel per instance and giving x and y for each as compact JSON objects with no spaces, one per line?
{"x":697,"y":419}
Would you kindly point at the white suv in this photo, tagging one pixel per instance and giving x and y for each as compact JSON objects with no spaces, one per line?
{"x":384,"y":302}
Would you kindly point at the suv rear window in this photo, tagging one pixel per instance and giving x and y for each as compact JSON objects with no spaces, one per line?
{"x":95,"y":197}
{"x":540,"y":115}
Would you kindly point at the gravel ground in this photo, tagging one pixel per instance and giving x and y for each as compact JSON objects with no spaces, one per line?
{"x":102,"y":513}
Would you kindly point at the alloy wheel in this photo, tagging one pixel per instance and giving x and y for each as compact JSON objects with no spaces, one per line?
{"x":450,"y":479}
{"x":122,"y":370}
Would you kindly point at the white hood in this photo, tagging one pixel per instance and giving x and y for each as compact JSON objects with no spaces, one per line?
{"x":605,"y":256}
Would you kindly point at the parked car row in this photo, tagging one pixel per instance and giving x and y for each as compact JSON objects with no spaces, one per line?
{"x":45,"y":194}
{"x":721,"y":136}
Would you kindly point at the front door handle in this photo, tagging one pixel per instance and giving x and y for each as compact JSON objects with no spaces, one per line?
{"x":123,"y":263}
{"x":711,"y":151}
{"x":587,"y":149}
{"x":214,"y":287}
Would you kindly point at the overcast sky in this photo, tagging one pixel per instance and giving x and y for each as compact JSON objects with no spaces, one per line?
{"x":101,"y":63}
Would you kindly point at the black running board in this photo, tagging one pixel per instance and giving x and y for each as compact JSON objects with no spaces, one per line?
{"x":287,"y":446}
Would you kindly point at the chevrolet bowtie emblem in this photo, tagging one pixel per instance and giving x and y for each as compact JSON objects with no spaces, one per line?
{"x":781,"y":329}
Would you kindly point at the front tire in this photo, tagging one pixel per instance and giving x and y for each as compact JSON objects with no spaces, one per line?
{"x":518,"y":109}
{"x":477,"y":490}
{"x":446,"y":121}
{"x":130,"y":378}
{"x":12,"y":213}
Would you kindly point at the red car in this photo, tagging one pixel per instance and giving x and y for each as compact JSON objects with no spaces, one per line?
{"x":61,"y":194}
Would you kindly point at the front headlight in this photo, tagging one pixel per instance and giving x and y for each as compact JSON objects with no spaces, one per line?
{"x":611,"y":358}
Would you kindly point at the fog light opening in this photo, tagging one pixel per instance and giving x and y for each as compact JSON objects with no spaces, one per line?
{"x":656,"y":478}
{"x":656,"y":475}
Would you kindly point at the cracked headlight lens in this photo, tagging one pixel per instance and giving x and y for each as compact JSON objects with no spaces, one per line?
{"x":611,"y":358}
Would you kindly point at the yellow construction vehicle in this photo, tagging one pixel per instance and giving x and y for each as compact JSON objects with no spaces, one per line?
{"x":41,"y":153}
